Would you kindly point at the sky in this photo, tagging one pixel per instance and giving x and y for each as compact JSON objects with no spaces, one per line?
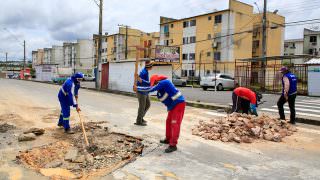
{"x":51,"y":22}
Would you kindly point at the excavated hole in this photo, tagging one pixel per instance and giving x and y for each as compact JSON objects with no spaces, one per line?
{"x":70,"y":158}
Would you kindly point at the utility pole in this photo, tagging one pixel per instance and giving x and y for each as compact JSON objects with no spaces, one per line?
{"x":6,"y":61}
{"x":264,"y":45}
{"x":99,"y":44}
{"x":200,"y":63}
{"x":24,"y":56}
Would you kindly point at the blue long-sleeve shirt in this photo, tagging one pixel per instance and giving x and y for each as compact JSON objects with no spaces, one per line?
{"x":68,"y":91}
{"x":144,"y":75}
{"x":167,"y":93}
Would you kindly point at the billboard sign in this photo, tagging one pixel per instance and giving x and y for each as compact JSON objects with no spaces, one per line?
{"x":167,"y":54}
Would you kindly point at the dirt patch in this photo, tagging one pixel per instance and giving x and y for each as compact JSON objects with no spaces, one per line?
{"x":244,"y":128}
{"x":10,"y":117}
{"x":51,"y":117}
{"x":4,"y":127}
{"x":107,"y":151}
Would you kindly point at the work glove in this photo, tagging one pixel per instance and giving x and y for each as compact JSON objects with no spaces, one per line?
{"x":253,"y":108}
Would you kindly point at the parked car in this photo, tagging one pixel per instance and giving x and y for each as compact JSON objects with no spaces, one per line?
{"x":59,"y":80}
{"x":177,"y":81}
{"x":223,"y":81}
{"x":88,"y":77}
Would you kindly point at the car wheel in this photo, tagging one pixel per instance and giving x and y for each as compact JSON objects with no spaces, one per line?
{"x":204,"y":88}
{"x":184,"y":84}
{"x":220,"y":87}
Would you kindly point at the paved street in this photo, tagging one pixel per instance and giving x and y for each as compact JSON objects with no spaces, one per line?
{"x":196,"y":158}
{"x":307,"y":107}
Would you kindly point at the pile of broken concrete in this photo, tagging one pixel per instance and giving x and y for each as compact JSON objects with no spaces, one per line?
{"x":244,"y":128}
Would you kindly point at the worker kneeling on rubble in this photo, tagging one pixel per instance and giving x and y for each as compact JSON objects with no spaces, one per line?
{"x":244,"y":99}
{"x":68,"y":96}
{"x":170,"y":96}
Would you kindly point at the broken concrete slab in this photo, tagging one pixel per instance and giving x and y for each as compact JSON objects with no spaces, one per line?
{"x":26,"y":137}
{"x":36,"y":131}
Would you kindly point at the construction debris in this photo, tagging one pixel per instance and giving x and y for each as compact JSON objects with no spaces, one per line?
{"x":244,"y":128}
{"x":35,"y":131}
{"x":26,"y":137}
{"x":4,"y":127}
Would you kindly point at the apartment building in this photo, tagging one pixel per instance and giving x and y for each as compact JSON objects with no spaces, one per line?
{"x":275,"y":35}
{"x":57,"y":55}
{"x":69,"y":54}
{"x":122,"y":45}
{"x":294,"y":47}
{"x":219,"y":37}
{"x":47,"y":57}
{"x":34,"y":58}
{"x":311,"y":42}
{"x":84,"y":50}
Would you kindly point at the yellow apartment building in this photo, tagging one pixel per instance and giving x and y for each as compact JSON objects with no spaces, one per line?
{"x":219,"y":37}
{"x":122,"y":45}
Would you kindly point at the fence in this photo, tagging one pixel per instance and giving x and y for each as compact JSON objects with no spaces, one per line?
{"x":265,"y":75}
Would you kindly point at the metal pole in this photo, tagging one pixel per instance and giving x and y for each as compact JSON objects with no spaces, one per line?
{"x":264,"y":45}
{"x":126,"y":53}
{"x":24,"y":56}
{"x":6,"y":61}
{"x":99,"y":44}
{"x":200,"y":64}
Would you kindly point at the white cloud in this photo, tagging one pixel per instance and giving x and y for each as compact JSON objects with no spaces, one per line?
{"x":47,"y":22}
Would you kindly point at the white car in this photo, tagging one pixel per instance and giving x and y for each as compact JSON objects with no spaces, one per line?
{"x":88,"y":77}
{"x":222,"y":81}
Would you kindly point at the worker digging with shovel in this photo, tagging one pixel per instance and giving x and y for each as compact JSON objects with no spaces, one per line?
{"x":171,"y":97}
{"x":68,"y":96}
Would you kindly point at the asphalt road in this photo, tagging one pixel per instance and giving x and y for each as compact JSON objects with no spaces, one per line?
{"x":306,"y":107}
{"x":296,"y":158}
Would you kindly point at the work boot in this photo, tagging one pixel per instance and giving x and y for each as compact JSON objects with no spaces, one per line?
{"x":60,"y":125}
{"x":164,"y":141}
{"x":144,"y":121}
{"x":170,"y":149}
{"x":140,"y":124}
{"x":69,"y":131}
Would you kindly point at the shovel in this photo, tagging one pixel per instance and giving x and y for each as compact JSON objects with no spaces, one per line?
{"x":83,"y":130}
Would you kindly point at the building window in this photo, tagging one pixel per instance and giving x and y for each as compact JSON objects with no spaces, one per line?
{"x":184,"y":73}
{"x":166,"y":42}
{"x":171,"y":41}
{"x":208,"y":54}
{"x":191,"y":73}
{"x":255,"y":44}
{"x":208,"y":72}
{"x":209,"y":18}
{"x":217,"y":56}
{"x":293,"y":46}
{"x":166,"y":28}
{"x":184,"y":56}
{"x":185,"y":40}
{"x":218,"y":19}
{"x":311,"y":51}
{"x":185,"y":24}
{"x":172,"y":25}
{"x":313,"y":39}
{"x":192,"y":39}
{"x":209,"y":36}
{"x":192,"y":56}
{"x":193,"y":22}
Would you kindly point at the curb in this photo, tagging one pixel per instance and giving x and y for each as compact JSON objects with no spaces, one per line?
{"x":201,"y":105}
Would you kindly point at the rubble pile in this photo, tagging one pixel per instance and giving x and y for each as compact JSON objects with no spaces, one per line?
{"x":107,"y":151}
{"x":244,"y":128}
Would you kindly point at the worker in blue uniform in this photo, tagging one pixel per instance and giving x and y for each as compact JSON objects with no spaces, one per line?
{"x":172,"y":98}
{"x":68,"y":96}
